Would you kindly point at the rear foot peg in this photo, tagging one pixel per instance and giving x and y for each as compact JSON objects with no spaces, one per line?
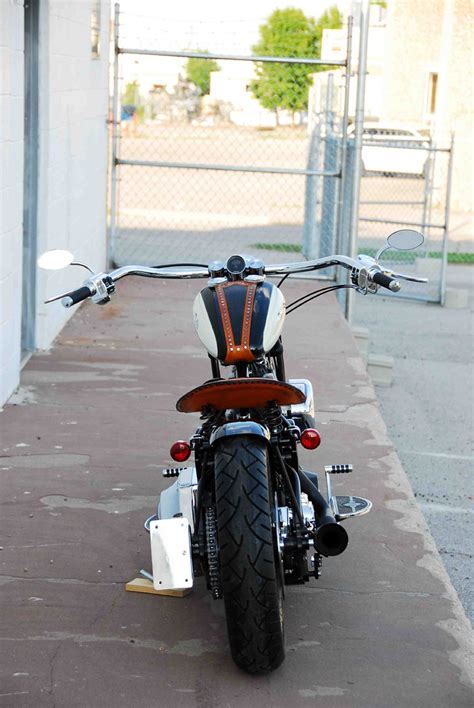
{"x":345,"y":507}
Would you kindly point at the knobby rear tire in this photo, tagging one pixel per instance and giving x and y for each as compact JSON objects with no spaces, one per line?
{"x":250,"y":574}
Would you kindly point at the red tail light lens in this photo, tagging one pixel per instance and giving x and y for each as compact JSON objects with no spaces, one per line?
{"x":310,"y":439}
{"x":180,"y":451}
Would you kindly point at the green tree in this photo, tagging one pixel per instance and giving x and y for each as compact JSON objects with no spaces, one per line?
{"x":198,"y":71}
{"x":131,"y":94}
{"x":288,"y":32}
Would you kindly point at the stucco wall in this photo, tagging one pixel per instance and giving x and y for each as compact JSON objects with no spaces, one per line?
{"x":11,"y":192}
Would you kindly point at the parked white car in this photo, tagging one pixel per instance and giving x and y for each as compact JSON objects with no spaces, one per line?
{"x":402,"y":149}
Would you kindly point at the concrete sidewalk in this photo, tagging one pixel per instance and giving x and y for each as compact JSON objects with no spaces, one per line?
{"x":82,"y":448}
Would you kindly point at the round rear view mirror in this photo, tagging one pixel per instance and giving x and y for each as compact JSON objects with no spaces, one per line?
{"x":55,"y":260}
{"x":405,"y":239}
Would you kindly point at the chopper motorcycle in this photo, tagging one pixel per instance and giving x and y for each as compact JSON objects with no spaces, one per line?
{"x":246,"y":515}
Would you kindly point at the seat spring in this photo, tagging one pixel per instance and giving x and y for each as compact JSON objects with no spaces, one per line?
{"x":273,"y":418}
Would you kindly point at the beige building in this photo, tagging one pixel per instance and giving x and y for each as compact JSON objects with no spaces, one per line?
{"x":419,"y":73}
{"x":428,"y":78}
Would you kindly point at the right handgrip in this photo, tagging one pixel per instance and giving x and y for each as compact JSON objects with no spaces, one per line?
{"x":386,"y":281}
{"x":76,"y":296}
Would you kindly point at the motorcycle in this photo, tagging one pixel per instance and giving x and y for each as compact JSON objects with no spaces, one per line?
{"x":246,"y":515}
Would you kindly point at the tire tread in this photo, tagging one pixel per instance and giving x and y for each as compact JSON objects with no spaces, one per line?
{"x":247,"y":560}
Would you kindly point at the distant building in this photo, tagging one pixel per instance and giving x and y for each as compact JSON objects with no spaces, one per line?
{"x":419,"y":68}
{"x":53,"y":149}
{"x":150,"y":72}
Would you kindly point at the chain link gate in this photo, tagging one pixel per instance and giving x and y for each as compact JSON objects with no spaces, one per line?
{"x":194,"y":182}
{"x":407,"y":184}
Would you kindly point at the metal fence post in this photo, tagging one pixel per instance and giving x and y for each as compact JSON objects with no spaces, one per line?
{"x":345,"y":217}
{"x":359,"y":128}
{"x":444,"y":262}
{"x":328,"y":201}
{"x":342,"y":158}
{"x":311,"y":227}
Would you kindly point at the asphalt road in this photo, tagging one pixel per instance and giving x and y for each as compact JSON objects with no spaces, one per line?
{"x":429,"y":413}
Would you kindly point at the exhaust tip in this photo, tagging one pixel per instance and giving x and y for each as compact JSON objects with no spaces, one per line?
{"x":331,"y":539}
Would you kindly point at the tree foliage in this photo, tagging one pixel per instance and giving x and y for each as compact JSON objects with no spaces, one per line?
{"x":198,"y":71}
{"x":131,"y":94}
{"x":288,"y":32}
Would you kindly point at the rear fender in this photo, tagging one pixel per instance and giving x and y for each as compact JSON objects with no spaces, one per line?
{"x":240,"y":427}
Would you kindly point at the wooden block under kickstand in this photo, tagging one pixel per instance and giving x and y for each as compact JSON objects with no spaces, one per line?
{"x":145,"y":585}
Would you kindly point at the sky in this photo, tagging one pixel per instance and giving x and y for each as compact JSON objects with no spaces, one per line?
{"x":230,"y":27}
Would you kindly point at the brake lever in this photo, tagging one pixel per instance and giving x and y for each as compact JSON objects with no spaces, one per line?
{"x":369,"y":262}
{"x":410,"y":278}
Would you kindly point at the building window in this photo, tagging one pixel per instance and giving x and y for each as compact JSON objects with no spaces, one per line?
{"x":432,"y":93}
{"x":95,"y":29}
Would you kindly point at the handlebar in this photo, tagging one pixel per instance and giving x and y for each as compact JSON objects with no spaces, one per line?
{"x":76,"y":296}
{"x":364,"y":272}
{"x":386,"y":281}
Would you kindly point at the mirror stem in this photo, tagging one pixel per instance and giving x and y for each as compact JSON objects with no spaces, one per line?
{"x":381,"y":251}
{"x":77,"y":263}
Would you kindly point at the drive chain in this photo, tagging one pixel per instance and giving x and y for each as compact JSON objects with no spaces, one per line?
{"x":212,"y":554}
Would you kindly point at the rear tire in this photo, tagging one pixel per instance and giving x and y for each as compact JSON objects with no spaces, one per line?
{"x":250,"y":575}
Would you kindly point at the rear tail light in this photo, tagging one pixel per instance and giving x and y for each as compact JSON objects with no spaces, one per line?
{"x":310,"y":439}
{"x":180,"y":451}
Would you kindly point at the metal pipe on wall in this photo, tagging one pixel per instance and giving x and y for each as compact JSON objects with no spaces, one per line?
{"x":115,"y":141}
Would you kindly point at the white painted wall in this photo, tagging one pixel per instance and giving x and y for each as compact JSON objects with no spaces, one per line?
{"x":73,"y":137}
{"x":11,"y":192}
{"x":73,"y":152}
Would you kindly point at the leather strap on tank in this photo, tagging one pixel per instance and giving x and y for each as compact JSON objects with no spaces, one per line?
{"x":242,"y":351}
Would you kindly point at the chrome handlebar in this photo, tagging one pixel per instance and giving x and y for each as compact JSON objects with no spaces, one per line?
{"x":148,"y":272}
{"x":363,"y":270}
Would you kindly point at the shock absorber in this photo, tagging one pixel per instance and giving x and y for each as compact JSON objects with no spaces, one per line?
{"x":273,"y":418}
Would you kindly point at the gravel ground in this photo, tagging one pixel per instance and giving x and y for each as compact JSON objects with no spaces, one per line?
{"x":429,"y":413}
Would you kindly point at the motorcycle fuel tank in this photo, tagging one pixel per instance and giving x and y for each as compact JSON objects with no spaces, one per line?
{"x":238,"y":321}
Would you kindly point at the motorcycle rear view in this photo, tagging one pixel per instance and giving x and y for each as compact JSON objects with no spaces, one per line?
{"x":246,"y":516}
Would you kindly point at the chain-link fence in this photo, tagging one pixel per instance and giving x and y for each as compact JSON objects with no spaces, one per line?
{"x":201,"y":173}
{"x":406,"y":184}
{"x":197,"y":177}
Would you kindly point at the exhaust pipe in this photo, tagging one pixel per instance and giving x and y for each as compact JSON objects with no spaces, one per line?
{"x":330,"y":538}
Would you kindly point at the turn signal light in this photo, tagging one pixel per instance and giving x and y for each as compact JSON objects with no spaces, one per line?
{"x":180,"y":451}
{"x":310,"y":439}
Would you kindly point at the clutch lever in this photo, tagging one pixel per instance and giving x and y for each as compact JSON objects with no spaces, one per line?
{"x":56,"y":297}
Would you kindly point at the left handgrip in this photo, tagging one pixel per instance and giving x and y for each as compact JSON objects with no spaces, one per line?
{"x":76,"y":296}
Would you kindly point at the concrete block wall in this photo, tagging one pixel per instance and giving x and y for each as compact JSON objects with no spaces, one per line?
{"x":73,"y":151}
{"x":72,"y":163}
{"x":11,"y":192}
